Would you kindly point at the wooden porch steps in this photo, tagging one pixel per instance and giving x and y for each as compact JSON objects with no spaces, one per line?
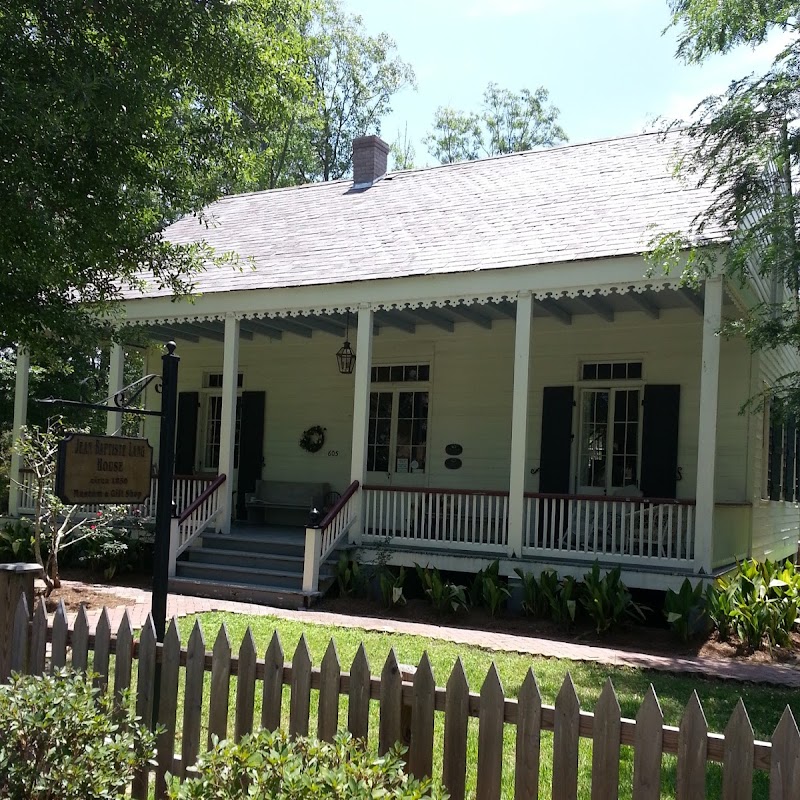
{"x":255,"y":565}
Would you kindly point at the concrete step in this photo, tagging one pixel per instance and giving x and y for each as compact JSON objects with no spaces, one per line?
{"x":239,"y":574}
{"x":273,"y":544}
{"x":240,"y":558}
{"x":276,"y":596}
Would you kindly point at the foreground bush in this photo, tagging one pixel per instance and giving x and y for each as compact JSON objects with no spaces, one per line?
{"x":60,"y":740}
{"x":271,"y":765}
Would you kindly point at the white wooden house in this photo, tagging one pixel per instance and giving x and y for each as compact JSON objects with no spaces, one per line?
{"x":522,"y":389}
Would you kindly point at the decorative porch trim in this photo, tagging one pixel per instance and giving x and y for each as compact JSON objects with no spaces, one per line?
{"x":461,"y":299}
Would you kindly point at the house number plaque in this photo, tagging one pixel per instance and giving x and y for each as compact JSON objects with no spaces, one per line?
{"x":103,"y":469}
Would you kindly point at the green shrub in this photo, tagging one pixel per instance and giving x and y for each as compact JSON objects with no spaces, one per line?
{"x":446,"y":597}
{"x":391,"y":584}
{"x":60,"y":740}
{"x":534,"y":601}
{"x":685,"y":610}
{"x":350,"y":578}
{"x":16,"y":541}
{"x":272,"y":765}
{"x":607,"y":600}
{"x":489,"y":589}
{"x":758,"y":603}
{"x":561,"y":596}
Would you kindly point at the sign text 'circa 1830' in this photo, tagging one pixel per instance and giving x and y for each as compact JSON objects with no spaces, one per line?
{"x":103,"y":469}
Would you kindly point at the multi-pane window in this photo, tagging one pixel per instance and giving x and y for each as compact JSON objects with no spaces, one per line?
{"x":609,"y":445}
{"x":213,"y":431}
{"x":783,"y":464}
{"x":380,"y":431}
{"x":401,"y":373}
{"x":398,"y":431}
{"x":611,"y":370}
{"x":213,"y":380}
{"x":412,"y":432}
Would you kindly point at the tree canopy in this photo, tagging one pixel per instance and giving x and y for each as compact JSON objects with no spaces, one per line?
{"x":115,"y":119}
{"x":352,"y":79}
{"x":509,"y":122}
{"x":746,"y":147}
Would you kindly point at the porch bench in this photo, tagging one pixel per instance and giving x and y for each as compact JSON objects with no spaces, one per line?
{"x":293,"y":500}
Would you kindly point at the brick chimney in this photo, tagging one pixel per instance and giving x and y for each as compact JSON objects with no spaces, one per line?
{"x":370,"y":154}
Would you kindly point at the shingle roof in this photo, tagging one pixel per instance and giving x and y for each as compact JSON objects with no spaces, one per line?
{"x":569,"y":203}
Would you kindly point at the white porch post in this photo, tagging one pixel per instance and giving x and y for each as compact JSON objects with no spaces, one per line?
{"x":227,"y":436}
{"x":358,"y":457}
{"x":116,"y":381}
{"x":519,"y":423}
{"x":707,"y":435}
{"x":20,"y":418}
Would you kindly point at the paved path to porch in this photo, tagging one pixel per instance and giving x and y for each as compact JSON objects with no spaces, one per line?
{"x":138,"y":606}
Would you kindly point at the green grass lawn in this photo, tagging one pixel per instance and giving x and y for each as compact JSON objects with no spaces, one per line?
{"x":765,"y":704}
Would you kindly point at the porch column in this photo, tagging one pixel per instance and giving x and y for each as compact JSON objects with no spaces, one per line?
{"x":358,"y":456}
{"x":20,"y":419}
{"x":116,"y":381}
{"x":227,"y":434}
{"x":707,"y":435}
{"x":519,"y":423}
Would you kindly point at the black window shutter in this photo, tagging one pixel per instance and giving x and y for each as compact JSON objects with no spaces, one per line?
{"x":775,"y":453}
{"x":789,"y":458}
{"x":659,"y":474}
{"x":186,"y":432}
{"x":556,"y":442}
{"x":251,"y":447}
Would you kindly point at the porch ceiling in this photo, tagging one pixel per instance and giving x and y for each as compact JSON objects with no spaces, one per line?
{"x":563,"y":309}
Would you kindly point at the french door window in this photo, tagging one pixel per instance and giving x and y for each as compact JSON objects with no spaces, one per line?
{"x":609,"y":443}
{"x":398,"y":431}
{"x":213,"y":429}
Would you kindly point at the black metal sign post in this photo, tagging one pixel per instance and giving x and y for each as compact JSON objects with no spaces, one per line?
{"x":166,"y":466}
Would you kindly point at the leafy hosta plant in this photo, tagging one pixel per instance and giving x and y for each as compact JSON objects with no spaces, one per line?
{"x":62,"y":739}
{"x":276,"y":766}
{"x":560,"y":595}
{"x":607,"y":600}
{"x":534,"y":601}
{"x":445,"y":596}
{"x":391,"y":584}
{"x":489,"y":589}
{"x":685,"y":610}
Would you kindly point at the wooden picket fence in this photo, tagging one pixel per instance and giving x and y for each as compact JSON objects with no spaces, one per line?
{"x":408,"y":702}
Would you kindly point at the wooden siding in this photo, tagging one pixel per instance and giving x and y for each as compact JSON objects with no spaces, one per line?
{"x":471,"y":387}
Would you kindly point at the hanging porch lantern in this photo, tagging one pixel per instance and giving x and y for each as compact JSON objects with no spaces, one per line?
{"x":345,"y":357}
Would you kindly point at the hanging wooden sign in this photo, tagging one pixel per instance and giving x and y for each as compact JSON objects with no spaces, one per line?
{"x":106,"y":470}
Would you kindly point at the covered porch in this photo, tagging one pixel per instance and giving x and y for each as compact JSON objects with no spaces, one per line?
{"x":512,"y":425}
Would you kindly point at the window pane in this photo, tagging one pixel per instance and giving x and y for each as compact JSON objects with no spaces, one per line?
{"x":618,"y":372}
{"x":421,"y":404}
{"x":410,"y":373}
{"x":604,"y":371}
{"x":635,"y":370}
{"x":385,"y":404}
{"x":424,"y":372}
{"x":397,"y":373}
{"x":384,"y":374}
{"x":405,"y":406}
{"x":381,"y":459}
{"x":589,"y":372}
{"x":374,"y":374}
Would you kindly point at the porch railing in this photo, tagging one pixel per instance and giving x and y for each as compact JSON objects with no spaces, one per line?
{"x":186,"y":489}
{"x":323,"y":539}
{"x":199,"y":514}
{"x":631,"y":529}
{"x":437,"y":517}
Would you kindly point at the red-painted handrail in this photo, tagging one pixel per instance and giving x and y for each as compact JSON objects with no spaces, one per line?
{"x":610,"y":498}
{"x":339,"y":505}
{"x":207,"y":492}
{"x":426,"y":490}
{"x":603,"y":498}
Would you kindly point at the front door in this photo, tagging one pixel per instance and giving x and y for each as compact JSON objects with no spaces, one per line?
{"x":397,"y":444}
{"x":608,"y":448}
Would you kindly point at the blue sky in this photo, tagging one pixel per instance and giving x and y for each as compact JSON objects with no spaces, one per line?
{"x":605,"y":63}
